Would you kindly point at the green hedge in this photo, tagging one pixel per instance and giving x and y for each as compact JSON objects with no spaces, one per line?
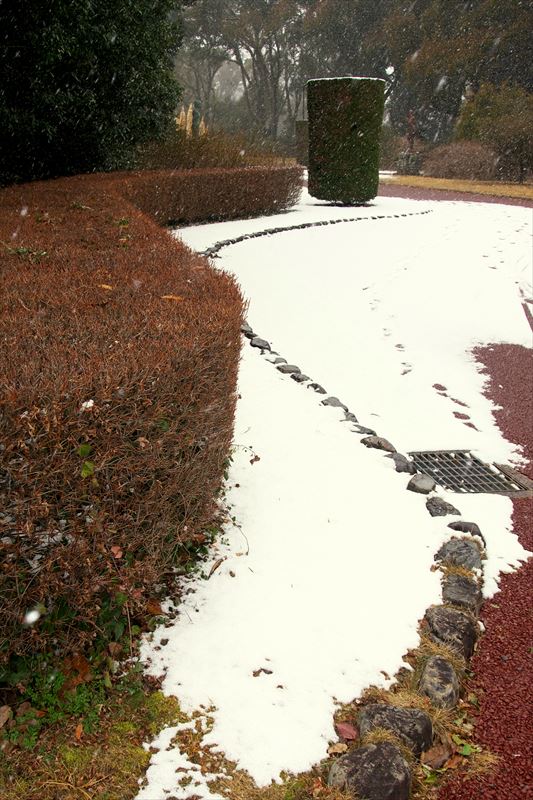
{"x":345,"y":116}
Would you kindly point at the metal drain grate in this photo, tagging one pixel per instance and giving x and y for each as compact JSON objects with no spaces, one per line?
{"x":460,"y":471}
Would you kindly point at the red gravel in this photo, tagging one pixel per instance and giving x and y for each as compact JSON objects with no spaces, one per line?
{"x":419,"y":193}
{"x":502,"y":664}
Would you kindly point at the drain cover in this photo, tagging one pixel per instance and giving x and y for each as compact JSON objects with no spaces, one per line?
{"x":461,"y":471}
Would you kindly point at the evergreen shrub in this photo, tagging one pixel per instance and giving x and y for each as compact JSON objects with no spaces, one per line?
{"x":345,"y":117}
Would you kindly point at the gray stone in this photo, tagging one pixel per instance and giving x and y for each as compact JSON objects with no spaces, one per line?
{"x":349,"y":417}
{"x":317,"y":388}
{"x":461,"y":553}
{"x":366,"y":431}
{"x":378,"y":443}
{"x":261,"y":343}
{"x":247,"y":331}
{"x":334,"y":402}
{"x":458,"y":590}
{"x":453,"y":628}
{"x":423,"y":484}
{"x":438,"y":507}
{"x":288,"y":369}
{"x":299,"y":377}
{"x":439,"y":682}
{"x":411,"y":725}
{"x":280,"y":360}
{"x":467,"y":527}
{"x":402,"y":463}
{"x":374,"y":772}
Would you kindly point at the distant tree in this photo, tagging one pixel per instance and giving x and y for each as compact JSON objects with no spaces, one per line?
{"x":440,"y":48}
{"x":502,"y":118}
{"x":83,"y":83}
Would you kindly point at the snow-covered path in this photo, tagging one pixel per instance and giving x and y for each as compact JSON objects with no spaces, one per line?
{"x":327,"y":567}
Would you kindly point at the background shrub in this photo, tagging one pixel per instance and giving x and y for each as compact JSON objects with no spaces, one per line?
{"x":502,"y":118}
{"x":390,"y":147}
{"x":83,"y":83}
{"x":118,"y":351}
{"x":468,"y":160}
{"x":216,"y":149}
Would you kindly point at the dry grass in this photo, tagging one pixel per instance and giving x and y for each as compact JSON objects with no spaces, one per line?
{"x":493,"y":188}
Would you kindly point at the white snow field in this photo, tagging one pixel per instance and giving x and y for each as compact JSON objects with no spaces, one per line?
{"x":326,"y":569}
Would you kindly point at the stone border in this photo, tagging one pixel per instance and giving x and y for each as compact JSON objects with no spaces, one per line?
{"x":212,"y":251}
{"x":379,"y":770}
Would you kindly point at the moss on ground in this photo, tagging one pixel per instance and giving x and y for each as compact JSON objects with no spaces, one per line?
{"x":67,"y":764}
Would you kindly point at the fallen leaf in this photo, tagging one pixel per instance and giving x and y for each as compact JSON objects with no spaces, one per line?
{"x":257,"y":672}
{"x":117,"y":551}
{"x":436,"y":756}
{"x":346,"y":731}
{"x":23,"y":708}
{"x":79,"y":671}
{"x":318,"y":787}
{"x":105,"y":286}
{"x":143,"y":442}
{"x":215,"y":566}
{"x":114,"y":648}
{"x":175,"y":297}
{"x":79,"y":731}
{"x":5,"y":715}
{"x":337,"y":749}
{"x":454,"y":762}
{"x":254,"y":459}
{"x":154,"y":607}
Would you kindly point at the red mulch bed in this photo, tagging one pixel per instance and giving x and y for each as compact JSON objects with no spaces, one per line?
{"x":416,"y":193}
{"x":503,"y":664}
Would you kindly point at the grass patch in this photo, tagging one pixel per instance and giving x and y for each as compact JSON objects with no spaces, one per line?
{"x":67,"y":763}
{"x":493,"y":188}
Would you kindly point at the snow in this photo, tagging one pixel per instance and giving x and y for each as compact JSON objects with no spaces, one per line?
{"x":326,"y":567}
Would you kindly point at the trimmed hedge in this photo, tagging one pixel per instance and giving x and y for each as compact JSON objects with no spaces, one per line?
{"x":186,"y":196}
{"x":345,"y":116}
{"x":119,"y":351}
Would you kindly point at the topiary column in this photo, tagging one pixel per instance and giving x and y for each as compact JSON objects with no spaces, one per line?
{"x":345,"y":117}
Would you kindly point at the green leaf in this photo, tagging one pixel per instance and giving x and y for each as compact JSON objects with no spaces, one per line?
{"x":84,"y":450}
{"x":467,"y":750}
{"x":87,"y":469}
{"x":121,"y":599}
{"x":118,"y":630}
{"x":164,"y":425}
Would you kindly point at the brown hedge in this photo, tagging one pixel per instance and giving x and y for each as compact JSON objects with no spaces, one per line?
{"x":118,"y":362}
{"x":212,"y":194}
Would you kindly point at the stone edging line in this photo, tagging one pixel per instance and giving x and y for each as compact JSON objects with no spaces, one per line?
{"x":212,"y":251}
{"x":379,"y":768}
{"x":376,"y":768}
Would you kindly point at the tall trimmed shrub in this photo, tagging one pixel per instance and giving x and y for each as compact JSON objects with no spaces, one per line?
{"x":345,"y":117}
